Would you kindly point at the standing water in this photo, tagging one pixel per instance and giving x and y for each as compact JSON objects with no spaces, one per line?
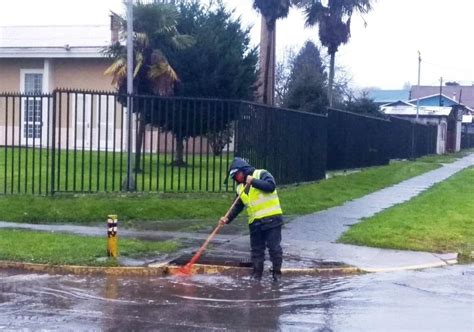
{"x":434,"y":299}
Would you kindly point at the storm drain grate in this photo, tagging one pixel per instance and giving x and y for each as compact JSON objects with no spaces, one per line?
{"x":214,"y":260}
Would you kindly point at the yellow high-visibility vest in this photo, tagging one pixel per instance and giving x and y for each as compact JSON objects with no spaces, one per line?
{"x":259,"y":204}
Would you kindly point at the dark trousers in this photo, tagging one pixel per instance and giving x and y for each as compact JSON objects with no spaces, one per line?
{"x":261,"y":238}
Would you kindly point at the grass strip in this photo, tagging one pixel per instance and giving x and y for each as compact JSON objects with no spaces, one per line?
{"x":192,"y":211}
{"x":439,"y":220}
{"x":61,"y":249}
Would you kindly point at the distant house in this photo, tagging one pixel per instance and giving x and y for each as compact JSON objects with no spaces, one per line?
{"x":446,"y":118}
{"x":383,"y":97}
{"x":462,"y":94}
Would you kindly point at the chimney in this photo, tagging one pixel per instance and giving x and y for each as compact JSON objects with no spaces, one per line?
{"x":114,"y":29}
{"x":454,"y":96}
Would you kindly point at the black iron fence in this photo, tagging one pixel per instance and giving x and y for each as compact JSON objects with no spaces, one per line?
{"x":289,"y":143}
{"x":407,"y":139}
{"x":356,"y":140}
{"x":77,"y":141}
{"x":467,"y":140}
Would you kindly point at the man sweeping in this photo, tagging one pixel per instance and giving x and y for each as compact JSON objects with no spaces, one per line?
{"x":257,"y":193}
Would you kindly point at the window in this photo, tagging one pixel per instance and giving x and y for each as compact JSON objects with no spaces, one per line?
{"x":33,"y":83}
{"x":32,"y":86}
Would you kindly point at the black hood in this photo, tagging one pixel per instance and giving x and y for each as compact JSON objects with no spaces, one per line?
{"x":240,"y":165}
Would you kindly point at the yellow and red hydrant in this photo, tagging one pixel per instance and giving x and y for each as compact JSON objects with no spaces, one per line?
{"x":112,"y":237}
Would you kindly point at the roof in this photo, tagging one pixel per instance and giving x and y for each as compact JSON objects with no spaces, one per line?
{"x":423,"y":110}
{"x":388,"y":96}
{"x":466,"y":97}
{"x":54,"y":41}
{"x":398,"y":103}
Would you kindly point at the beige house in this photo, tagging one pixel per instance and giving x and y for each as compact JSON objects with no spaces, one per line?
{"x":42,"y":58}
{"x":38,"y":59}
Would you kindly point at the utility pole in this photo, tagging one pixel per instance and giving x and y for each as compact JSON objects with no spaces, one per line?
{"x":440,"y":91}
{"x":417,"y":110}
{"x":130,"y":183}
{"x":418,"y":99}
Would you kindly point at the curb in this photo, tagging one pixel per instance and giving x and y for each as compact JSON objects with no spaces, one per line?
{"x":84,"y":270}
{"x":164,"y":269}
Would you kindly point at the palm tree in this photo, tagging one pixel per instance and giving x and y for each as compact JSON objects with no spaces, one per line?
{"x":334,"y":21}
{"x":271,"y":11}
{"x":155,"y":29}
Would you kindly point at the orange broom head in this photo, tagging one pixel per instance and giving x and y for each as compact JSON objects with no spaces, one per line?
{"x":184,"y":271}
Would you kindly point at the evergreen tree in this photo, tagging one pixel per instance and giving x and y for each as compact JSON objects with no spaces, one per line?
{"x":363,"y":105}
{"x":307,"y":85}
{"x":221,"y":63}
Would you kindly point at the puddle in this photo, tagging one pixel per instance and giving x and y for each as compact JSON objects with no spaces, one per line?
{"x":394,"y":301}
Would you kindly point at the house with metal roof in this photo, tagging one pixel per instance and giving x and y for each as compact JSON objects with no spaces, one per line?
{"x":462,"y":94}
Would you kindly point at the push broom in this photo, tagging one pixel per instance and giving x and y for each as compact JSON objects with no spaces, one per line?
{"x":187,"y":269}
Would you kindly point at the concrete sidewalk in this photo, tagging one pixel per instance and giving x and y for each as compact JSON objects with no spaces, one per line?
{"x":312,"y":237}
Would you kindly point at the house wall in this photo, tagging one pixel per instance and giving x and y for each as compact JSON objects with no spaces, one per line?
{"x":85,"y":74}
{"x":10,"y":72}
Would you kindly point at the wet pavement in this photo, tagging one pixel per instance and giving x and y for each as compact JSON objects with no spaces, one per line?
{"x":439,"y":299}
{"x":313,"y":236}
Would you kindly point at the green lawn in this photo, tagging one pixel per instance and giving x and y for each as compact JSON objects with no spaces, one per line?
{"x":439,"y":220}
{"x":28,"y":170}
{"x":193,"y":211}
{"x":39,"y":247}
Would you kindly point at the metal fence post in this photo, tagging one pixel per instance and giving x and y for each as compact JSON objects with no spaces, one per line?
{"x":53,"y":143}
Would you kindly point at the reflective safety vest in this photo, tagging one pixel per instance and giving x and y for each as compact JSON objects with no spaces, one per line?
{"x":259,"y":204}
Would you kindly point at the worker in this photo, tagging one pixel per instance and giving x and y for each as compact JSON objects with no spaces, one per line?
{"x":256,"y":189}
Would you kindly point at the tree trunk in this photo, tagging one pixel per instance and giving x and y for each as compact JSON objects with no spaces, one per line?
{"x":139,"y":141}
{"x":267,"y":63}
{"x":179,"y":157}
{"x":331,"y":78}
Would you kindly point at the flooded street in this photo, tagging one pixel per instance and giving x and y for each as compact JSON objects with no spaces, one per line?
{"x":434,"y":299}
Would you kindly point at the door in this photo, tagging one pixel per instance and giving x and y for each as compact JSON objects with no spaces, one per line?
{"x":106,"y":119}
{"x":33,"y":108}
{"x":82,"y":108}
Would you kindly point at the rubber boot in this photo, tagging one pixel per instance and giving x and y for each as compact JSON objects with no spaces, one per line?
{"x":257,"y":271}
{"x":276,"y":272}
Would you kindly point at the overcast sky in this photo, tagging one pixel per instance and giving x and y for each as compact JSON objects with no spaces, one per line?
{"x":384,"y":54}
